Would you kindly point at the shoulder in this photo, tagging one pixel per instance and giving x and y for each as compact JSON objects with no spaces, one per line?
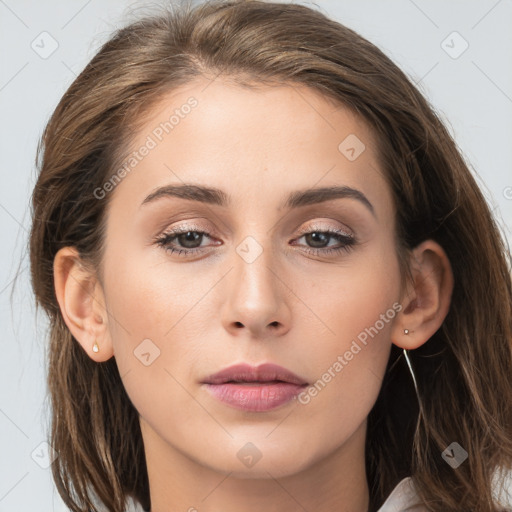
{"x":403,"y":498}
{"x":133,"y":506}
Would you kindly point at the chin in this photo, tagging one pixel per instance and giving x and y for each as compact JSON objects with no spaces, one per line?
{"x":273,"y":463}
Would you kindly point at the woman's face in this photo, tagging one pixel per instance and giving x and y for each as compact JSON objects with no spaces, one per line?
{"x":258,"y":280}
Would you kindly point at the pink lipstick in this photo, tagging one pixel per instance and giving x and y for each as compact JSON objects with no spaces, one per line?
{"x":255,"y":389}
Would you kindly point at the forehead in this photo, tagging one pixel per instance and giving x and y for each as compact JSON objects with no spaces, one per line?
{"x":253,"y":141}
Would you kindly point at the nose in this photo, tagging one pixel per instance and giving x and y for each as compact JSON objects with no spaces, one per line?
{"x":258,"y":296}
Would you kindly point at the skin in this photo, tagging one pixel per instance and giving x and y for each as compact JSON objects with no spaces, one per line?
{"x":290,"y":307}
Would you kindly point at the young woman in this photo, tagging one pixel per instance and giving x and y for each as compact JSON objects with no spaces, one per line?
{"x":272,"y":281}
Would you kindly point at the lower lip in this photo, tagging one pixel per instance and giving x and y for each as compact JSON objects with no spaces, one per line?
{"x":255,"y":397}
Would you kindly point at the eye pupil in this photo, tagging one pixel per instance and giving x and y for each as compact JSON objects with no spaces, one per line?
{"x":317,"y":238}
{"x":189,"y":237}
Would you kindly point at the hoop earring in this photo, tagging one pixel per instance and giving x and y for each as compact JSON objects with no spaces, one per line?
{"x":406,"y":355}
{"x":95,"y":347}
{"x":412,"y":371}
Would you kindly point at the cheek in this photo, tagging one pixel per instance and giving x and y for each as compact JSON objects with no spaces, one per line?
{"x":150,"y":330}
{"x":357,"y":306}
{"x":350,"y":298}
{"x":149,"y":308}
{"x":148,"y":295}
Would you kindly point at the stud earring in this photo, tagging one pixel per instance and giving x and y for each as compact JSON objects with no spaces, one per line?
{"x":95,"y":347}
{"x":406,"y":331}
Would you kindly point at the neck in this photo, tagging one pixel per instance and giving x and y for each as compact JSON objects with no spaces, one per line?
{"x":335,"y":482}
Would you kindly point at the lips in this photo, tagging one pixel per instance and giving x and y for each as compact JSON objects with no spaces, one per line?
{"x":254,"y":389}
{"x":264,"y":373}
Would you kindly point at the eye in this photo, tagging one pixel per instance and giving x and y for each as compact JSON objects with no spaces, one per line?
{"x":319,"y":240}
{"x":187,"y":241}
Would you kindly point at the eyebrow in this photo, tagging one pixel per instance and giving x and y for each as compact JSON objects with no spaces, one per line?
{"x":296,"y":199}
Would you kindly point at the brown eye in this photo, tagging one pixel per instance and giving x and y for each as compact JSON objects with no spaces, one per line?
{"x":190,"y":239}
{"x":318,"y":241}
{"x":183,"y":242}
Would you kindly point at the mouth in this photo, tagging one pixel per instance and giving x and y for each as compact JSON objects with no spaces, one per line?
{"x":262,"y":374}
{"x":255,"y":389}
{"x":253,"y":382}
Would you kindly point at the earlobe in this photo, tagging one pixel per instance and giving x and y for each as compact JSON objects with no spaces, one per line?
{"x":81,"y":303}
{"x":426,"y":301}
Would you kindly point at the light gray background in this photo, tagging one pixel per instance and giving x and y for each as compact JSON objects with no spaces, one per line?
{"x":473,"y":93}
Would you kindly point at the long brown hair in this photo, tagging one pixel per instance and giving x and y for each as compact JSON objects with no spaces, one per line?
{"x":463,"y":372}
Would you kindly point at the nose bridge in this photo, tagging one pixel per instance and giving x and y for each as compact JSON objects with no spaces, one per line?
{"x":256,"y":298}
{"x":253,"y":271}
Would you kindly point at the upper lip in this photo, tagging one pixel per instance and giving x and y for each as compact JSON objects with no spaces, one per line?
{"x":246,"y":373}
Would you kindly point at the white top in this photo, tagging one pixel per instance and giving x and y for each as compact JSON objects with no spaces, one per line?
{"x":403,"y":498}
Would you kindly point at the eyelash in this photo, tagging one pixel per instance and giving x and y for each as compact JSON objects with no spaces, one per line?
{"x":348,"y":241}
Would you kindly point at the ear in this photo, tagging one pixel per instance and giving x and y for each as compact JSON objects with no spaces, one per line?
{"x":82,"y":303}
{"x":426,"y":299}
